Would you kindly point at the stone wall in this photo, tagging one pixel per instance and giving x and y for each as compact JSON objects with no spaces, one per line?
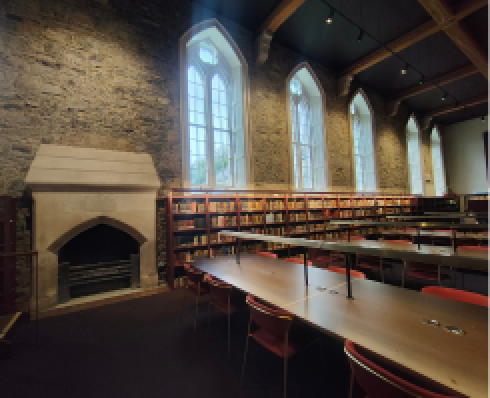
{"x":105,"y":74}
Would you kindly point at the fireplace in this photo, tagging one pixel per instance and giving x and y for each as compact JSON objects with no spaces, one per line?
{"x":99,"y":259}
{"x":79,"y":192}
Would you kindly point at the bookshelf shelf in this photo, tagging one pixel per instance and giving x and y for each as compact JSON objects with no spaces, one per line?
{"x":199,"y":217}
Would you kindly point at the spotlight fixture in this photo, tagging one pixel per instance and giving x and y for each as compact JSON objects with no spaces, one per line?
{"x":404,"y":70}
{"x":360,"y":35}
{"x":330,"y":16}
{"x":444,"y":96}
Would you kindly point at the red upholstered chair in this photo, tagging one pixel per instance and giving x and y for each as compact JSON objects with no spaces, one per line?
{"x":353,"y":272}
{"x":298,"y":261}
{"x":418,"y":270}
{"x":272,"y":334}
{"x":267,"y":254}
{"x":220,"y":299}
{"x":196,"y":285}
{"x":455,"y":294}
{"x":468,"y":271}
{"x":378,"y":382}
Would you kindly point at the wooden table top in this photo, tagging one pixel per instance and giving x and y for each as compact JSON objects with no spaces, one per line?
{"x":413,"y":224}
{"x":437,"y":234}
{"x":476,"y":260}
{"x":384,"y":319}
{"x":277,"y":281}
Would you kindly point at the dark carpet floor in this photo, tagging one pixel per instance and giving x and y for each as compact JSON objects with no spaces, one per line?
{"x":146,"y":348}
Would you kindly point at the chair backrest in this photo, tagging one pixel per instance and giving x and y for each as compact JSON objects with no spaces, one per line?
{"x":357,"y":237}
{"x":276,"y":321}
{"x":267,"y":254}
{"x":378,"y":382}
{"x":194,"y":275}
{"x":401,"y":241}
{"x":298,"y":261}
{"x":220,"y":291}
{"x":474,"y":248}
{"x":353,"y":272}
{"x":455,"y":294}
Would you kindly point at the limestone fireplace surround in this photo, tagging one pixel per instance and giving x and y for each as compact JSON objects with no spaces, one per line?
{"x":77,"y":188}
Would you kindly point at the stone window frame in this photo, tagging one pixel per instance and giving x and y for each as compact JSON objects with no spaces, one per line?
{"x":372,"y":122}
{"x":242,"y":174}
{"x":322,"y":108}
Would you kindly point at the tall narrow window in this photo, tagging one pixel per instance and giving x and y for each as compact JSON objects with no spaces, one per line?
{"x":214,"y":141}
{"x":307,"y":132}
{"x":415,"y":165}
{"x":437,"y":162}
{"x":362,"y":139}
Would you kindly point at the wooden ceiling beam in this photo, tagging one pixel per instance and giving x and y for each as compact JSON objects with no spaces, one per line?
{"x":452,"y":108}
{"x":451,"y":23}
{"x":281,"y":13}
{"x":408,"y":39}
{"x":429,"y":85}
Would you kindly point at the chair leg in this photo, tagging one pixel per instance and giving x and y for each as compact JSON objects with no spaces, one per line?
{"x":285,"y":361}
{"x":246,"y":350}
{"x":197,"y":305}
{"x":229,"y":315}
{"x":184,"y":299}
{"x":403,"y":272}
{"x":209,"y":313}
{"x":351,"y":384}
{"x":381,"y":270}
{"x":438,"y":274}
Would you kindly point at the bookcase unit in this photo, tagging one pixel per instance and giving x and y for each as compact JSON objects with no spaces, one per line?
{"x":7,"y":245}
{"x":195,"y":219}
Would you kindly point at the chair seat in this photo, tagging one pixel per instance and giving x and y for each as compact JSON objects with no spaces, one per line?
{"x":428,"y":275}
{"x":272,"y":343}
{"x":371,"y":266}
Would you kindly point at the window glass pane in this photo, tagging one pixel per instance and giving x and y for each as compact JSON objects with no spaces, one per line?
{"x":197,"y":133}
{"x":208,"y":53}
{"x":439,"y":184}
{"x":221,"y":137}
{"x":295,"y":86}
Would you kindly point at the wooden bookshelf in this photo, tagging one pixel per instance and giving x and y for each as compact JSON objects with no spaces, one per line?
{"x":195,"y":219}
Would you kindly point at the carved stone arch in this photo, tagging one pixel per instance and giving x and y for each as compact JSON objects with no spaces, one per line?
{"x":69,"y":235}
{"x":245,"y":94}
{"x":316,"y":80}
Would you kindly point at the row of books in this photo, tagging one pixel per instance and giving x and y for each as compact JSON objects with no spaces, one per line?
{"x":190,"y":240}
{"x":297,"y":217}
{"x":251,"y":219}
{"x":274,"y":217}
{"x":223,"y":221}
{"x":315,"y":216}
{"x":190,"y":256}
{"x":276,"y":231}
{"x":299,"y":228}
{"x":218,"y":237}
{"x":296,"y":204}
{"x":222,"y":206}
{"x":254,"y":230}
{"x":315,"y":204}
{"x":188,"y":207}
{"x":251,"y":205}
{"x":198,"y":222}
{"x":275,"y":205}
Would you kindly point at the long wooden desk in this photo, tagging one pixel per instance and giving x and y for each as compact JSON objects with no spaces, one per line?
{"x":385,"y":319}
{"x":437,"y":234}
{"x":428,"y":254}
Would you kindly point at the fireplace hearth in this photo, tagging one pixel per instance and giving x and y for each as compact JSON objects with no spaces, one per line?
{"x":78,"y":192}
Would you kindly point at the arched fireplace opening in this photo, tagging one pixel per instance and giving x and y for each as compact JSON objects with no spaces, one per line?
{"x":99,"y":259}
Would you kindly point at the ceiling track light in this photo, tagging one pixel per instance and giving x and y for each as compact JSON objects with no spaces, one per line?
{"x":444,"y":96}
{"x":360,"y":35}
{"x":330,"y":16}
{"x":403,"y":71}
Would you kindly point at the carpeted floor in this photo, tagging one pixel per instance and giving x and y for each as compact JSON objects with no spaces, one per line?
{"x":145,"y":348}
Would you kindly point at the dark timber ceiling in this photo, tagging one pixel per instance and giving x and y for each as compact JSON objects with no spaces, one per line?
{"x":336,"y":47}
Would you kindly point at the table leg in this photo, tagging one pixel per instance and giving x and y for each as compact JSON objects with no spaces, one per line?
{"x":237,"y":250}
{"x":348,"y":262}
{"x":305,"y":266}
